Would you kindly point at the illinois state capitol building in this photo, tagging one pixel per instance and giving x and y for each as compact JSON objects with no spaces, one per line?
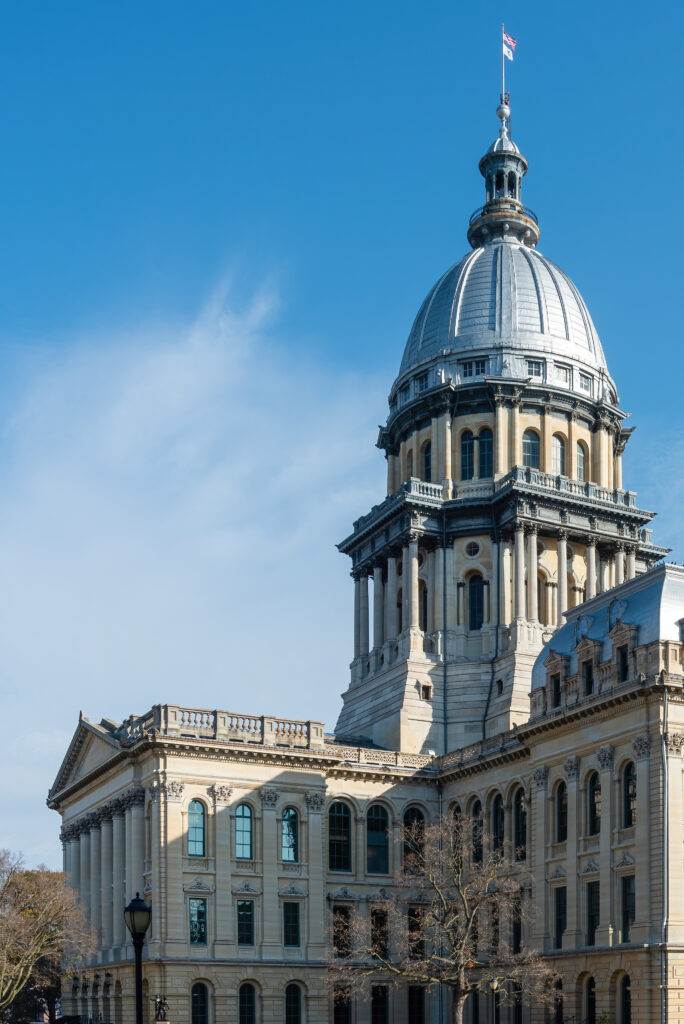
{"x":517,"y":651}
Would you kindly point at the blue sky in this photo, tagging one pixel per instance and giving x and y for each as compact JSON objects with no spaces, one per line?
{"x":218,"y":221}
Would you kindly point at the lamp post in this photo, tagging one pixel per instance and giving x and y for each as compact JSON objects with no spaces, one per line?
{"x":137,"y":917}
{"x":494,"y":984}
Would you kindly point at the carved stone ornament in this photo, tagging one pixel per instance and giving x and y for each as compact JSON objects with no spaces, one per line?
{"x":381,"y":896}
{"x":154,"y":790}
{"x":673,"y":742}
{"x":291,"y":890}
{"x":197,"y":885}
{"x":135,"y":796}
{"x":625,"y":861}
{"x":269,"y":797}
{"x":571,"y":767}
{"x":642,"y":747}
{"x":541,"y":775}
{"x":590,"y":868}
{"x":606,"y":757}
{"x":222,"y":794}
{"x":246,"y":887}
{"x":558,"y":873}
{"x":173,"y":789}
{"x":343,"y":893}
{"x":315,"y":801}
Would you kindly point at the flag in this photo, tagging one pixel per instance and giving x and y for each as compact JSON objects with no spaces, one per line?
{"x":509,"y":44}
{"x":507,"y":52}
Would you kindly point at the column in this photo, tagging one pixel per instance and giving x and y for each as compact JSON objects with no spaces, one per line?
{"x":438,"y":599}
{"x":106,"y":878}
{"x":631,"y":563}
{"x":590,"y":556}
{"x":572,"y":936}
{"x":446,"y":434}
{"x":272,"y":941}
{"x":642,"y":834}
{"x":450,"y":623}
{"x":551,"y":602}
{"x":436,"y":440}
{"x":546,"y":433}
{"x":357,"y":617}
{"x":520,"y":611}
{"x":499,"y":449}
{"x":84,"y":884}
{"x":618,"y":468}
{"x":74,"y":859}
{"x":604,"y":933}
{"x":137,"y":799}
{"x":619,"y":565}
{"x":540,"y":776}
{"x":532,"y":609}
{"x":562,"y":575}
{"x":414,"y":621}
{"x":405,"y":589}
{"x":378,"y":607}
{"x":363,"y":616}
{"x":95,"y":879}
{"x":430,"y":618}
{"x":118,"y":873}
{"x":391,"y":611}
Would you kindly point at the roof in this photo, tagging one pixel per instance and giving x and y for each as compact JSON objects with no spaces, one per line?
{"x":504,"y":296}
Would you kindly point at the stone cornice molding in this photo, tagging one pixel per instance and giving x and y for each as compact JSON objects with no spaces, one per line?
{"x":641,"y":745}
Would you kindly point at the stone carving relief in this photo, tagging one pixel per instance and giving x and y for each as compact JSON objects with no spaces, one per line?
{"x":269,"y":797}
{"x":221,"y":793}
{"x":673,"y":742}
{"x":606,"y":757}
{"x":291,"y":890}
{"x":315,"y":801}
{"x":642,"y":747}
{"x":590,"y":868}
{"x":625,"y":861}
{"x":541,"y":775}
{"x":343,"y":893}
{"x":133,"y":796}
{"x":572,"y":767}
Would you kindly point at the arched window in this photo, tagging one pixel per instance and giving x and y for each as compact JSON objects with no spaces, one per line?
{"x":531,"y":450}
{"x":499,"y":185}
{"x":477,"y":832}
{"x":498,"y":823}
{"x":244,"y":832}
{"x":557,"y":455}
{"x":581,"y":463}
{"x":629,"y":784}
{"x":409,"y":464}
{"x":520,"y":824}
{"x":293,"y":1005}
{"x":475,"y":602}
{"x":625,"y":1000}
{"x":422,"y":606}
{"x":485,"y":454}
{"x":594,"y":798}
{"x":467,"y":453}
{"x":427,"y":462}
{"x":199,"y":1004}
{"x":196,"y":829}
{"x":561,"y":813}
{"x":414,"y":828}
{"x":400,"y":607}
{"x":339,"y":837}
{"x":289,"y":836}
{"x":377,"y":840}
{"x":511,"y":186}
{"x":590,"y":999}
{"x":247,"y":1004}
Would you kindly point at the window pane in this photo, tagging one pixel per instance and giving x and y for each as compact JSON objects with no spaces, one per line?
{"x":199,"y":1004}
{"x":498,"y":822}
{"x":290,"y":836}
{"x":341,"y":937}
{"x":291,"y":924}
{"x":245,"y":922}
{"x":414,"y":825}
{"x":467,"y":452}
{"x":243,"y":832}
{"x":341,"y":1008}
{"x":196,"y":846}
{"x":293,"y":1004}
{"x":557,"y":455}
{"x":475,"y":602}
{"x":339,"y":837}
{"x":377,"y":841}
{"x":520,"y":838}
{"x":379,"y":1004}
{"x":247,"y":1004}
{"x":560,"y":897}
{"x":593,"y":911}
{"x":594,"y":805}
{"x":198,"y":921}
{"x":531,"y":453}
{"x":562,"y":813}
{"x":628,"y":906}
{"x":427,"y":462}
{"x":485,"y":455}
{"x":379,"y":933}
{"x":416,"y":1004}
{"x":629,"y":796}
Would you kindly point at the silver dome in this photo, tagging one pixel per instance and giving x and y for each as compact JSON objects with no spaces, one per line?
{"x":507,"y":302}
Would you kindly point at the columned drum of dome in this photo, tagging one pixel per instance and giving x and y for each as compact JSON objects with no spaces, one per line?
{"x":505,"y":504}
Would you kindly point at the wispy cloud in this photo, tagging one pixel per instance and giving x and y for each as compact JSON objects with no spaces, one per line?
{"x":169,"y":503}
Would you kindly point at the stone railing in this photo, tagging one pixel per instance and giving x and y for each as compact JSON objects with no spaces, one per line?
{"x":371,"y":756}
{"x":226,"y":726}
{"x":563,"y":485}
{"x":493,"y":744}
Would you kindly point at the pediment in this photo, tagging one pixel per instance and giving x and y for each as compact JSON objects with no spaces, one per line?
{"x":91,"y":746}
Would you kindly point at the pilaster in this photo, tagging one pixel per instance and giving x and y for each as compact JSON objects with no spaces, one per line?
{"x":642,"y":835}
{"x":572,"y":936}
{"x":271,"y":947}
{"x":606,"y":929}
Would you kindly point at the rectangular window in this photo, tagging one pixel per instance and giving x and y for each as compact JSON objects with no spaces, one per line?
{"x":535,"y":368}
{"x":467,"y":369}
{"x":623,"y":664}
{"x":403,"y":394}
{"x":593,"y":911}
{"x":628,"y":906}
{"x":585,"y":383}
{"x":555,"y":691}
{"x":563,"y":374}
{"x":421,"y":382}
{"x":416,"y":1004}
{"x":379,"y":932}
{"x":480,"y":367}
{"x":291,"y":924}
{"x":198,"y":922}
{"x":341,"y":1007}
{"x":341,"y":937}
{"x":560,"y":915}
{"x":379,"y":1004}
{"x":245,"y":922}
{"x":415,"y":933}
{"x":588,"y":677}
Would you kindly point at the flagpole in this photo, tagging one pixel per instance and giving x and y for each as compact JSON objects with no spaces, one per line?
{"x":503,"y":65}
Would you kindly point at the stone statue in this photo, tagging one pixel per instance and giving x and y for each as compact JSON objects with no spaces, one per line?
{"x":161,"y":1008}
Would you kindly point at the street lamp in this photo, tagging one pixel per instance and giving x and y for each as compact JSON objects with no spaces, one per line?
{"x":494,"y":984}
{"x":137,"y":917}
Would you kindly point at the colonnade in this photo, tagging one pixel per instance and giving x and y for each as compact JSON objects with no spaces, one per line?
{"x":604,"y":568}
{"x":104,"y":862}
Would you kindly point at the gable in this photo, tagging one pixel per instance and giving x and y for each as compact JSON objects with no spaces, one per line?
{"x":90,"y":747}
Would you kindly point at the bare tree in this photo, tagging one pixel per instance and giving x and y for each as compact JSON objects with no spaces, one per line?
{"x":41,"y":927}
{"x":454,"y":917}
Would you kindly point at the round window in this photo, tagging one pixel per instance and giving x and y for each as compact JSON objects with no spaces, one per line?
{"x":472,"y":549}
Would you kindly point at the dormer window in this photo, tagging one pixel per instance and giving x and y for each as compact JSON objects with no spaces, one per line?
{"x":535,"y":368}
{"x":474,"y":368}
{"x":623,"y":663}
{"x":403,"y":393}
{"x":588,"y":677}
{"x":586,"y":383}
{"x":421,"y":383}
{"x":556,"y":690}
